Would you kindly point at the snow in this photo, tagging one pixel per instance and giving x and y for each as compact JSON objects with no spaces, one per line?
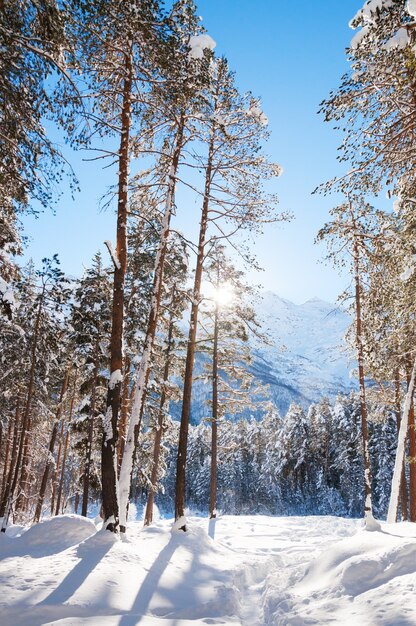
{"x":116,"y":378}
{"x":234,"y":571}
{"x":369,"y":10}
{"x":113,"y":255}
{"x":199,"y":43}
{"x":400,"y":40}
{"x":411,"y":8}
{"x":358,"y":37}
{"x":255,"y":111}
{"x":7,"y":295}
{"x":395,"y":484}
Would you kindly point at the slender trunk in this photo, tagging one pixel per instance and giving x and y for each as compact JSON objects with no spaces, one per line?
{"x":22,"y":462}
{"x":190,"y":352}
{"x":57,"y":467}
{"x":125,"y":405}
{"x":23,"y":488}
{"x":90,"y":435}
{"x":368,"y":507}
{"x":7,"y":455}
{"x":214,"y":422}
{"x":144,"y":367}
{"x":403,"y":485}
{"x":9,"y":478}
{"x":148,"y":517}
{"x":61,"y":482}
{"x":401,"y":440}
{"x":49,"y":460}
{"x":76,"y":503}
{"x":109,"y":445}
{"x":412,"y":458}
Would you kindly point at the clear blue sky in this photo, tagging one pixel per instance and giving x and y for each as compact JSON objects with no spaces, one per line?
{"x":292,"y":55}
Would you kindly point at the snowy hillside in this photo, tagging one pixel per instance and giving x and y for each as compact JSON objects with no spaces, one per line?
{"x":306,"y":361}
{"x":235,"y":571}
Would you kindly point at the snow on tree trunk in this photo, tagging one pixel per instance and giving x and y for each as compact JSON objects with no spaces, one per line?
{"x":110,"y":423}
{"x":412,"y":458}
{"x":370,"y":523}
{"x":145,"y":361}
{"x":148,"y":517}
{"x":398,"y":465}
{"x":213,"y":473}
{"x":50,"y":459}
{"x":190,"y":353}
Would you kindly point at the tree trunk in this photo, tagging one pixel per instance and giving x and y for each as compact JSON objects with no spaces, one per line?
{"x":61,"y":482}
{"x":403,"y":486}
{"x":401,"y":440}
{"x":214,"y":422}
{"x":190,"y":352}
{"x":90,"y":436}
{"x":109,"y":445}
{"x":125,"y":405}
{"x":22,"y":462}
{"x":148,"y":517}
{"x":9,"y":479}
{"x":412,"y":458}
{"x":144,"y":367}
{"x":57,"y":467}
{"x":49,"y":460}
{"x":7,"y":455}
{"x":370,"y":523}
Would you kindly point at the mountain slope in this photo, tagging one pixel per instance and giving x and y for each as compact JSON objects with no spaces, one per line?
{"x":307,"y":359}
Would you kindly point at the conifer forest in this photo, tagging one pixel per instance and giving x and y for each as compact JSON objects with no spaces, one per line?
{"x":170,"y":452}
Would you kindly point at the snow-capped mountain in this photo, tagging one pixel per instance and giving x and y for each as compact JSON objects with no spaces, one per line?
{"x":307,"y":359}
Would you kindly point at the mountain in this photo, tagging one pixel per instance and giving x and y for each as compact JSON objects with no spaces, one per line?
{"x":305,"y":361}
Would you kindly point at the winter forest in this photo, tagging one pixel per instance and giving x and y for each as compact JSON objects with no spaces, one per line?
{"x":149,"y":470}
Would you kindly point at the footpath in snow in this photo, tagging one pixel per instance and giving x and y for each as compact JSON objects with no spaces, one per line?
{"x":236,"y":571}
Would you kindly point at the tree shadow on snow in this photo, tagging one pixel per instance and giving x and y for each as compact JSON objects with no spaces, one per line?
{"x":91,"y":552}
{"x":149,"y":585}
{"x":182,"y":596}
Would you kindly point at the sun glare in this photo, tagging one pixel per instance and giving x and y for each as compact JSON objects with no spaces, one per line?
{"x":224,"y":295}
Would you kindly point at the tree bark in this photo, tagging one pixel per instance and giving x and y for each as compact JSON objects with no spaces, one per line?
{"x":109,"y":445}
{"x":57,"y":467}
{"x":22,"y":462}
{"x":370,"y":523}
{"x":61,"y":482}
{"x":403,"y":485}
{"x":190,"y":352}
{"x":49,"y":460}
{"x":90,"y":435}
{"x":144,"y":367}
{"x":412,"y":457}
{"x":214,"y":422}
{"x":8,"y":482}
{"x":125,"y":405}
{"x":401,"y":440}
{"x":148,"y":517}
{"x":7,"y":454}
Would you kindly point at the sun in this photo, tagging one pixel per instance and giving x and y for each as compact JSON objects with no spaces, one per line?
{"x":224,"y":295}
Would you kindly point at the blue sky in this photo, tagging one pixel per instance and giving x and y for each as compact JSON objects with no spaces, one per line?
{"x":292,"y":55}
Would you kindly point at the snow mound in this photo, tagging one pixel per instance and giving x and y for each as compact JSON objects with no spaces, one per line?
{"x":359,"y":563}
{"x":52,"y":535}
{"x":363,"y":573}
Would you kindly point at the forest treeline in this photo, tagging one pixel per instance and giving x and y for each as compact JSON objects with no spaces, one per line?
{"x":89,"y":366}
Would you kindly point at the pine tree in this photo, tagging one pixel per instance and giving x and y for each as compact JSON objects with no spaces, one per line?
{"x":233,"y":200}
{"x":90,"y":320}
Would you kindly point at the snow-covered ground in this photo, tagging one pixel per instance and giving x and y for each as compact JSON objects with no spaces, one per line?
{"x":249,"y":571}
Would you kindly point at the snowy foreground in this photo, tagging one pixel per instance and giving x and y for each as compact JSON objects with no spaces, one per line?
{"x":250,"y":571}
